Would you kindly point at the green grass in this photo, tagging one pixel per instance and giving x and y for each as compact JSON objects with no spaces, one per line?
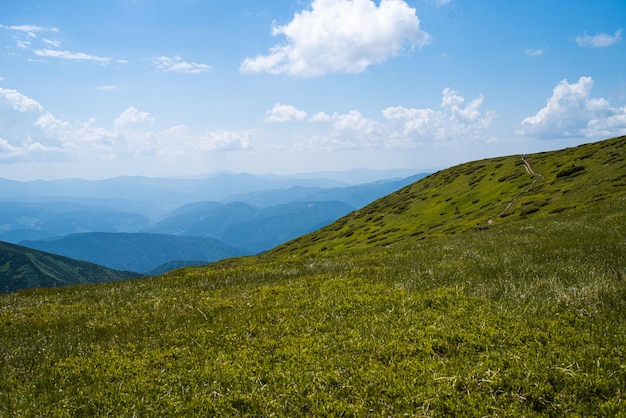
{"x":477,"y":195}
{"x":523,"y":317}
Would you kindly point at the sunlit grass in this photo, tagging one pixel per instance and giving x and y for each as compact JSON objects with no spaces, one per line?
{"x":522,"y":318}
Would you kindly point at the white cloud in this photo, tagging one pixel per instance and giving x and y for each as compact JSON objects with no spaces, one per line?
{"x":320,"y":117}
{"x":50,"y":42}
{"x":223,"y":140}
{"x":22,"y":44}
{"x":28,"y":28}
{"x":108,"y":87}
{"x":599,"y":40}
{"x":22,"y":128}
{"x":177,"y":65}
{"x":457,"y":120}
{"x":403,"y":127}
{"x":30,"y":133}
{"x":284,"y":113}
{"x":535,"y":52}
{"x":79,"y":56}
{"x":19,"y":102}
{"x":571,"y":112}
{"x":341,"y":36}
{"x":132,"y":117}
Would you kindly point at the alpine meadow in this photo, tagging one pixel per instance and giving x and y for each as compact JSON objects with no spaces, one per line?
{"x":492,"y":288}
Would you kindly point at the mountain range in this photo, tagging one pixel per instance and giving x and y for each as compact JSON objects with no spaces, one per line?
{"x":96,"y":221}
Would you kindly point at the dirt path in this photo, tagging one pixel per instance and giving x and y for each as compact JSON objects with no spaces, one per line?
{"x":530,"y":171}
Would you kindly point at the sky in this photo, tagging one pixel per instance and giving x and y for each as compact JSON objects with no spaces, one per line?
{"x":99,"y":89}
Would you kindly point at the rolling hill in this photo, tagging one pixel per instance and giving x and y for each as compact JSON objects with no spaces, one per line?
{"x":493,"y":288}
{"x":22,"y":268}
{"x":480,"y":195}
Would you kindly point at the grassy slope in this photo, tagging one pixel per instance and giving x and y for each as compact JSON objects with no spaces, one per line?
{"x":523,"y":317}
{"x":467,"y":196}
{"x":22,"y":268}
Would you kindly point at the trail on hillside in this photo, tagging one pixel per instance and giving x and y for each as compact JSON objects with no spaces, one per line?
{"x":536,"y":178}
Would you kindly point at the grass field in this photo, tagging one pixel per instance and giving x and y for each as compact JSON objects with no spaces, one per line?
{"x":523,"y":316}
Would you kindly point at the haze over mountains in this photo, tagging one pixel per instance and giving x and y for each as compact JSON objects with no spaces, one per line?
{"x":168,"y":223}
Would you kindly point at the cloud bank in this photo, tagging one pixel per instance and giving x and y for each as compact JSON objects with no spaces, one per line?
{"x":344,"y":36}
{"x":30,"y":133}
{"x":571,"y":112}
{"x":400,"y":127}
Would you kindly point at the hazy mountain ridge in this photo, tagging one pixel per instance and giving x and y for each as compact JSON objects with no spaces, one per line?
{"x":20,"y":221}
{"x":241,"y":226}
{"x":69,"y":206}
{"x":138,"y":252}
{"x":152,"y":196}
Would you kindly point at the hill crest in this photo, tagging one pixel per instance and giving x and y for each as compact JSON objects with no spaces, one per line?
{"x":478,"y":195}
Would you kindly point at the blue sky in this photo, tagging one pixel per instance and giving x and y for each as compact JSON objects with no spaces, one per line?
{"x":98,"y":89}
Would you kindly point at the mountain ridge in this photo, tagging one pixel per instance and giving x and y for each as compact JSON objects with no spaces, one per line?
{"x":23,"y":268}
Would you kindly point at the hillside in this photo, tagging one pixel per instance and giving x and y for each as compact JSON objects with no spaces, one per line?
{"x":479,"y":195}
{"x":22,"y":268}
{"x":408,"y":307}
{"x":135,"y":252}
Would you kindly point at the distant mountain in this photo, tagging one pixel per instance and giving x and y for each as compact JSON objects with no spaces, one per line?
{"x":139,"y":252}
{"x":151,"y":196}
{"x":22,"y":268}
{"x":278,"y":224}
{"x":356,"y":196}
{"x":205,"y":219}
{"x":248,"y":227}
{"x":21,"y":221}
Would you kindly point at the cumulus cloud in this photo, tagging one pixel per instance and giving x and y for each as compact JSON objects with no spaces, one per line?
{"x":132,"y":117}
{"x":457,"y":120}
{"x":599,"y":40}
{"x":284,"y":113}
{"x":23,"y":128}
{"x":571,"y":112}
{"x":350,"y":130}
{"x":30,"y":133}
{"x":344,"y":36}
{"x":320,"y":117}
{"x":177,"y":65}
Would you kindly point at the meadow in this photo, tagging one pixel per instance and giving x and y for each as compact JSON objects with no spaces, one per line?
{"x":523,"y":316}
